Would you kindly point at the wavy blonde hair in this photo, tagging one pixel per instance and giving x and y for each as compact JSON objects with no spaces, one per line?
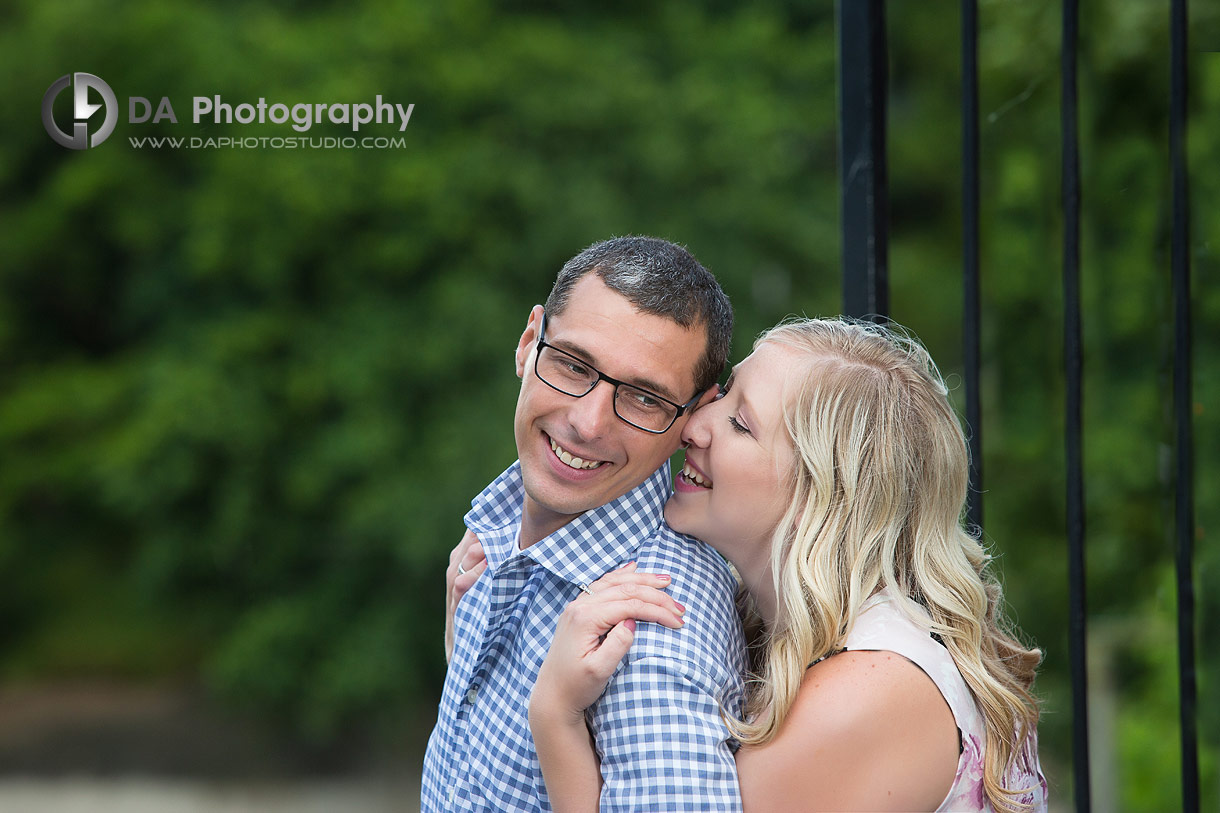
{"x":879,"y":487}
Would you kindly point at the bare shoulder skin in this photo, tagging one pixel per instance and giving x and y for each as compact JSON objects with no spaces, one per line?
{"x":868,"y":731}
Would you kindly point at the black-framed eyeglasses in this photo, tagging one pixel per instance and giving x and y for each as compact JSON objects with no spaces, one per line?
{"x":570,"y":375}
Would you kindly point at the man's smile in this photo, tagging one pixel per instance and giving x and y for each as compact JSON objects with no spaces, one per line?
{"x":570,"y":459}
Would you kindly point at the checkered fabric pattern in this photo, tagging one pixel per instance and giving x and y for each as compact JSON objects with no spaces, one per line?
{"x":660,"y":736}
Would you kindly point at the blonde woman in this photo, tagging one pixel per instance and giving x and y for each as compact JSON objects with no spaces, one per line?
{"x":831,"y":473}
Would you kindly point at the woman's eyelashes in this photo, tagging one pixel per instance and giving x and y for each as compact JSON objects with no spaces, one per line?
{"x":737,"y":425}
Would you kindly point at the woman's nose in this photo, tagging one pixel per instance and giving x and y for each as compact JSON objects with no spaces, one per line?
{"x":698,"y":429}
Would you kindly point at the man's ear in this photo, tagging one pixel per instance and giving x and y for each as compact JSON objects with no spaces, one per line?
{"x":529,"y":338}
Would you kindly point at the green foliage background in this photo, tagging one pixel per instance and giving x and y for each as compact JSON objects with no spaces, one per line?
{"x":247,"y":394}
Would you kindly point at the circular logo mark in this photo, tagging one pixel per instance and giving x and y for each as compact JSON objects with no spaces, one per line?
{"x":82,"y":111}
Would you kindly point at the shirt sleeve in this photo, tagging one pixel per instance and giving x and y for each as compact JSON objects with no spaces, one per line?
{"x":662,"y":741}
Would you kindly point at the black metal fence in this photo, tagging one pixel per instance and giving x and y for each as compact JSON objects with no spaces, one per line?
{"x":862,"y":61}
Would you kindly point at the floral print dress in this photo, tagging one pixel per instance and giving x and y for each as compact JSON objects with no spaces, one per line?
{"x":882,"y":626}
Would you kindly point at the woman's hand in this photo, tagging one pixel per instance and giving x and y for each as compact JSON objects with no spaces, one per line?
{"x":592,"y":636}
{"x":466,"y":563}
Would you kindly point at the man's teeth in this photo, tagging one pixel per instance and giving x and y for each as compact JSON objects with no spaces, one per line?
{"x":574,"y":462}
{"x":695,"y":477}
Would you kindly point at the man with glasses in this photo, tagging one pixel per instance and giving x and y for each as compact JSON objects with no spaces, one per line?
{"x":632,"y":338}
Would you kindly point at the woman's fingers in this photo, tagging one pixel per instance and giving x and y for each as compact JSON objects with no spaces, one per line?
{"x":628,"y":575}
{"x":597,"y":620}
{"x":466,"y":562}
{"x":594,"y":633}
{"x":473,"y":555}
{"x":591,"y":616}
{"x":646,"y":587}
{"x":457,"y":583}
{"x":604,"y":660}
{"x":466,"y":580}
{"x":458,"y":557}
{"x":639,"y":603}
{"x":471,"y":565}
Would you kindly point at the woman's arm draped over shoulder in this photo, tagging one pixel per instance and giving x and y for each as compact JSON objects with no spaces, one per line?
{"x":569,"y":763}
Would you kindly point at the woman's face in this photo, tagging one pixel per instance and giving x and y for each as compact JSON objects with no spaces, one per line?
{"x":732,"y":491}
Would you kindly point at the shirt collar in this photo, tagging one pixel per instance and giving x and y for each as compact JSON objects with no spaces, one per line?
{"x":582,"y":550}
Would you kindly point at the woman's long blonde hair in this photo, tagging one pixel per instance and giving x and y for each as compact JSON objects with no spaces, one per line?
{"x":878,"y":491}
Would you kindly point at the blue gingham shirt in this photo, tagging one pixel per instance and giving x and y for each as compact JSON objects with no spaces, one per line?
{"x":660,"y":737}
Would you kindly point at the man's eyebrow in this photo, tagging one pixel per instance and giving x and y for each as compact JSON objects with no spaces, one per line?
{"x":637,"y":381}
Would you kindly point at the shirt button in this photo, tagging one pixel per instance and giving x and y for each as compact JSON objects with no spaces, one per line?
{"x":472,"y":695}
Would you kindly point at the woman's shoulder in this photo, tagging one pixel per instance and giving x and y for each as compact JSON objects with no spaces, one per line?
{"x":899,"y":626}
{"x":867,"y":727}
{"x":868,"y":695}
{"x":862,"y":695}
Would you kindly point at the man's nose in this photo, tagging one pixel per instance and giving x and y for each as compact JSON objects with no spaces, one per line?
{"x":593,"y":414}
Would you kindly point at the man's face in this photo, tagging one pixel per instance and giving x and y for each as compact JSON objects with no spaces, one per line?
{"x":605,"y":330}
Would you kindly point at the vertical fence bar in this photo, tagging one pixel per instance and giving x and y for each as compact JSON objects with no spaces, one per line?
{"x":1184,"y":509}
{"x":862,"y":65}
{"x":1073,"y":355}
{"x":970,"y":257}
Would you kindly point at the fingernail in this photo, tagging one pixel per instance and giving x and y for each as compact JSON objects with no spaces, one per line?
{"x":629,"y":566}
{"x":681,"y":609}
{"x":662,"y":577}
{"x":630,"y":624}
